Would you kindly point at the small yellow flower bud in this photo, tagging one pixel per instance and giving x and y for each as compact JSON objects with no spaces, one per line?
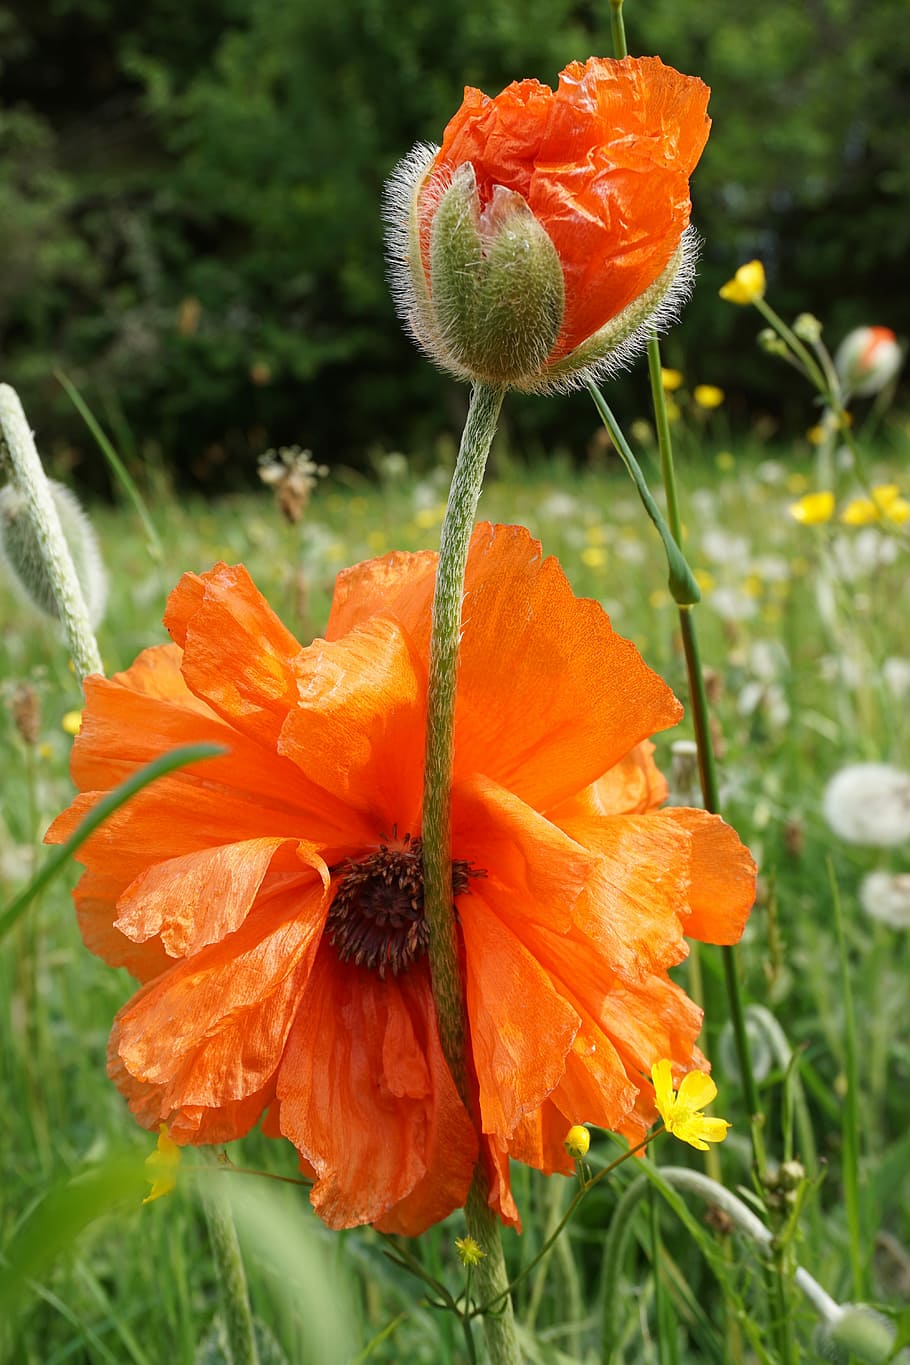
{"x":747,"y":285}
{"x":671,"y":380}
{"x":71,"y":723}
{"x":577,"y":1142}
{"x":808,"y":328}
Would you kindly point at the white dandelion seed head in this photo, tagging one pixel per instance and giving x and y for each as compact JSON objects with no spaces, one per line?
{"x":869,"y":803}
{"x":885,"y":896}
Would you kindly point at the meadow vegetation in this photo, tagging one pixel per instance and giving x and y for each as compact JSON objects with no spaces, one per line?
{"x":804,"y":634}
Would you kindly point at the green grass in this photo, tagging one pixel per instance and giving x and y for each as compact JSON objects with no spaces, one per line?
{"x":796,"y":640}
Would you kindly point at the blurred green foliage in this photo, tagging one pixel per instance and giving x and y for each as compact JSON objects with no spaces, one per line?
{"x":190,"y":201}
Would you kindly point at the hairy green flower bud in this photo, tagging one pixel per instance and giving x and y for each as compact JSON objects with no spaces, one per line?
{"x":27,"y":562}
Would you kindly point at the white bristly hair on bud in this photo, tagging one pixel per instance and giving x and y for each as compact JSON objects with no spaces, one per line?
{"x":26,"y":562}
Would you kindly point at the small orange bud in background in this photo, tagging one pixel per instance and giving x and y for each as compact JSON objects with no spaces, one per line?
{"x":867,"y":359}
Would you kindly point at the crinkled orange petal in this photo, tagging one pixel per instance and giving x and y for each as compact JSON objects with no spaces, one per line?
{"x":237,"y":655}
{"x":634,"y":785}
{"x":198,"y":898}
{"x":193,"y":1124}
{"x":648,"y":1020}
{"x":95,"y":897}
{"x":604,"y":164}
{"x":495,"y":1157}
{"x":530,"y":867}
{"x":366,"y":1098}
{"x":633,"y":909}
{"x":521,"y":1028}
{"x":541,"y":708}
{"x":213,"y":1028}
{"x":358,"y":729}
{"x":539,"y":1141}
{"x":722,"y":890}
{"x":399,"y":585}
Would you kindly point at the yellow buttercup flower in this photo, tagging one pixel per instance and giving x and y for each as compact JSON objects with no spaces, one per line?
{"x":671,"y":380}
{"x":813,"y":509}
{"x":71,"y":723}
{"x":681,"y":1110}
{"x":747,"y":285}
{"x":162,"y":1166}
{"x":469,"y":1251}
{"x":708,"y":395}
{"x":884,"y":504}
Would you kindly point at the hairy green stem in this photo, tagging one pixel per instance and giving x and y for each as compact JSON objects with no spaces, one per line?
{"x":448,"y":989}
{"x":457,"y":526}
{"x":17,"y":446}
{"x":851,"y":1125}
{"x":491,"y":1276}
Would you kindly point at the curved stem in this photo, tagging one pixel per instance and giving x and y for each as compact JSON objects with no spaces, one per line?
{"x":18,"y":445}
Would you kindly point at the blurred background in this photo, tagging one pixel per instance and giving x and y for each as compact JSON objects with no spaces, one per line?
{"x":190,"y":211}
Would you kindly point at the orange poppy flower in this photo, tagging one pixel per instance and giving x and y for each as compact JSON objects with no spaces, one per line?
{"x":603,"y":165}
{"x":270,"y":901}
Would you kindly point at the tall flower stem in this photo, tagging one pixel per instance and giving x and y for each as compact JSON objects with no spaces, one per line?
{"x":458,"y":523}
{"x":17,"y":447}
{"x":701,"y":722}
{"x":448,"y":990}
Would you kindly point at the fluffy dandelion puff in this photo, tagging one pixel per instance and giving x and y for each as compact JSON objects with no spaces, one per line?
{"x":885,"y":896}
{"x":869,"y":803}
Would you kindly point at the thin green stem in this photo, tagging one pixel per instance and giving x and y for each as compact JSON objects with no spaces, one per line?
{"x":851,"y":1123}
{"x":812,"y":368}
{"x":17,"y":445}
{"x":698,"y":698}
{"x":618,"y":29}
{"x":118,"y":467}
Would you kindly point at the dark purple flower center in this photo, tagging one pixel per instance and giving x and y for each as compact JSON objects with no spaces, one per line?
{"x":377,"y":918}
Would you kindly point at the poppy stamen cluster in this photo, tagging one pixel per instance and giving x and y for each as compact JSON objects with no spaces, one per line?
{"x":377,"y":918}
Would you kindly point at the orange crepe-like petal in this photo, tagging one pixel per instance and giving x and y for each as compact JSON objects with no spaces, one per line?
{"x":604,"y":165}
{"x":201,"y":897}
{"x":722,"y":877}
{"x":237,"y":655}
{"x":521,"y":1027}
{"x":365,"y":1096}
{"x":213,"y":1027}
{"x":359,"y":727}
{"x":538,"y":707}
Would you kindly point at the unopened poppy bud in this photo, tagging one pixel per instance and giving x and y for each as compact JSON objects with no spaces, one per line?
{"x":577,"y":1142}
{"x":26,"y":558}
{"x":496,"y":282}
{"x":867,"y":359}
{"x":548,"y":236}
{"x":808,"y":328}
